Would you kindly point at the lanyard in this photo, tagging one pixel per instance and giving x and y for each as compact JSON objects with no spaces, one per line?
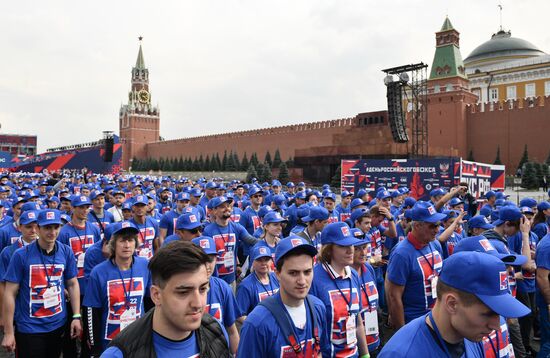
{"x":142,"y":234}
{"x":497,"y":348}
{"x":127,"y":292}
{"x":228,"y":232}
{"x":298,"y":348}
{"x":364,"y":285}
{"x":348,"y":302}
{"x":440,"y":339}
{"x":99,"y":221}
{"x":432,"y":264}
{"x":48,"y":277}
{"x":79,"y":238}
{"x":270,"y":291}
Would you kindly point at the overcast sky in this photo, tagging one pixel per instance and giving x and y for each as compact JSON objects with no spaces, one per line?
{"x":225,"y":65}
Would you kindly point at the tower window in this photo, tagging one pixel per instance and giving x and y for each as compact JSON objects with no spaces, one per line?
{"x":530,"y":90}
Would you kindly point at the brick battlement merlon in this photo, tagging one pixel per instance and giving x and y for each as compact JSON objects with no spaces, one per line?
{"x":509,"y":105}
{"x":334,"y":123}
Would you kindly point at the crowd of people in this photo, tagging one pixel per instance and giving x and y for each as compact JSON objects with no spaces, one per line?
{"x":142,"y":266}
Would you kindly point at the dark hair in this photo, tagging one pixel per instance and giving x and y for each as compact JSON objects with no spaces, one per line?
{"x":296,"y":252}
{"x":539,"y":218}
{"x":124,"y":235}
{"x":467,"y":298}
{"x":175,"y":258}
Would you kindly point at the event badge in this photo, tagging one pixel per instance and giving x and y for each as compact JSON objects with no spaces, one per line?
{"x":51,"y":297}
{"x":434,"y":286}
{"x":351,"y":327}
{"x":371,"y":322}
{"x":229,"y":259}
{"x":80,"y":260}
{"x":127,"y":317}
{"x":144,"y":252}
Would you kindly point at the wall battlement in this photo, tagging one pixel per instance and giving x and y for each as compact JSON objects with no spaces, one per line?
{"x":335,"y":123}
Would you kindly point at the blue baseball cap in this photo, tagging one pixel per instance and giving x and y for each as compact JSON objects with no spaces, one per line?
{"x":291,"y":243}
{"x":206,"y":243}
{"x":28,"y":217}
{"x":485,"y":211}
{"x":361,"y":193}
{"x":526,"y":210}
{"x":259,"y":251}
{"x":482,"y":244}
{"x":302,"y":184}
{"x":290,"y":185}
{"x":543,"y":205}
{"x":358,"y":213}
{"x":273,"y":217}
{"x":480,"y":222}
{"x":275,"y":182}
{"x":80,"y":200}
{"x":490,"y":194}
{"x":356,"y":202}
{"x":30,"y":206}
{"x":127,"y":205}
{"x":255,"y":191}
{"x":437,"y":192}
{"x":183,"y":197}
{"x":508,"y":213}
{"x":217,"y":201}
{"x":280,"y":201}
{"x":262,"y":212}
{"x":49,"y":217}
{"x":409,"y":202}
{"x":455,"y":202}
{"x":425,"y":212}
{"x":300,"y":195}
{"x":338,"y":233}
{"x":403,"y":190}
{"x":530,"y":202}
{"x":330,"y":196}
{"x":196,"y":192}
{"x":53,"y":199}
{"x":211,"y":185}
{"x":188,"y":221}
{"x":96,"y":193}
{"x":345,"y":194}
{"x":316,"y":213}
{"x":123,"y":226}
{"x":140,"y":200}
{"x":484,"y":276}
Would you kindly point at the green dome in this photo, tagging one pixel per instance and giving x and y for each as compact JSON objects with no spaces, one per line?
{"x":502,"y":44}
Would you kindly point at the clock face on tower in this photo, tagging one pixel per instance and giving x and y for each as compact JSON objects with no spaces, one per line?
{"x":143,"y":96}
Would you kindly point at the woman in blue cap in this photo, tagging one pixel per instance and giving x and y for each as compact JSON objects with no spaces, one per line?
{"x":541,"y":221}
{"x":272,"y":230}
{"x":260,"y":284}
{"x":338,"y":286}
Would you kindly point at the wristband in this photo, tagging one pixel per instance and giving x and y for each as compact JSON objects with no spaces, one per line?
{"x":366,"y":355}
{"x":77,"y":316}
{"x":391,"y":219}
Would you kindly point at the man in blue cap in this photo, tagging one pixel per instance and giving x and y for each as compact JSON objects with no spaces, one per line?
{"x":413,"y":267}
{"x":472,"y":294}
{"x":291,"y":322}
{"x":228,"y":236}
{"x":329,"y":201}
{"x":344,"y":208}
{"x":316,"y":221}
{"x":148,"y":227}
{"x":209,"y":194}
{"x":98,"y":215}
{"x":187,"y":228}
{"x":292,"y":210}
{"x":36,"y":280}
{"x":168,"y":220}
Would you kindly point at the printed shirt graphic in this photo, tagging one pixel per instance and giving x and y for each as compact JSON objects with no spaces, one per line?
{"x":39,"y":285}
{"x":324,"y":288}
{"x":146,"y":237}
{"x":106,"y":292}
{"x":221,"y":303}
{"x":515,"y":244}
{"x":412,"y":268}
{"x":37,"y":308}
{"x":497,"y":344}
{"x":250,"y":292}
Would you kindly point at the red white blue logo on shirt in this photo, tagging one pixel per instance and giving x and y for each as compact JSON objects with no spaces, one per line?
{"x":38,"y":284}
{"x":117,"y":302}
{"x":503,"y":280}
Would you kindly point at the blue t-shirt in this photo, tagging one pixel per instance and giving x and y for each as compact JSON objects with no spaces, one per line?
{"x":251,"y":222}
{"x":165,"y":348}
{"x":94,"y":256}
{"x":415,"y":340}
{"x":8,"y":235}
{"x":449,"y":245}
{"x":415,"y":269}
{"x":227,"y":240}
{"x":341,"y":299}
{"x":251,"y":291}
{"x":221,"y":303}
{"x":115,"y":292}
{"x":369,"y":305}
{"x":345,"y":213}
{"x":169,"y":239}
{"x":106,"y":220}
{"x":148,"y":232}
{"x":6,"y":255}
{"x":541,"y":229}
{"x":515,"y":244}
{"x":261,"y":335}
{"x":79,"y":240}
{"x":40,"y":302}
{"x":542,"y":259}
{"x":497,"y":344}
{"x":168,"y":221}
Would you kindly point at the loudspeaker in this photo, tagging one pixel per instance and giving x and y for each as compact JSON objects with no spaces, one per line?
{"x":109,"y":144}
{"x":396,"y":118}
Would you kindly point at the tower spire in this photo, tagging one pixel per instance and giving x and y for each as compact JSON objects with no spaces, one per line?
{"x":500,"y":14}
{"x":140,"y":62}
